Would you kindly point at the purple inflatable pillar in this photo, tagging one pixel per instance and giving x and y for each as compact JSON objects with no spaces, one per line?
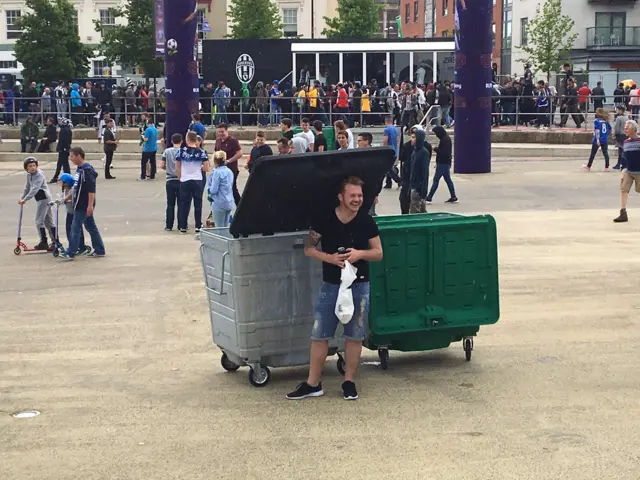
{"x":473,"y":86}
{"x":180,"y":65}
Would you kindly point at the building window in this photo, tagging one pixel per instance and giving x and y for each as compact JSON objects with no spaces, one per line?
{"x":407,"y":13}
{"x":201,"y":19}
{"x":506,"y":29}
{"x":290,"y":22}
{"x":524,"y":39}
{"x":415,"y":11}
{"x":74,"y":17}
{"x":445,"y":8}
{"x":493,"y":36}
{"x":13,"y":30}
{"x":9,"y":64}
{"x":107,"y":19}
{"x":101,"y":68}
{"x":446,"y":34}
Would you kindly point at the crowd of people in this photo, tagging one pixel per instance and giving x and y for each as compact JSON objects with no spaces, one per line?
{"x":82,"y":104}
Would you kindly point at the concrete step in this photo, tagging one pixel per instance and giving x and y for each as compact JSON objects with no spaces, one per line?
{"x":131,"y":151}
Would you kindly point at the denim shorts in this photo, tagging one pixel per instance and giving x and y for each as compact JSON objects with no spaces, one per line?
{"x":326,"y":322}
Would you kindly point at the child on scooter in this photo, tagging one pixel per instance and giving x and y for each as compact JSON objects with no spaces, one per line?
{"x":36,"y":187}
{"x":66,"y":181}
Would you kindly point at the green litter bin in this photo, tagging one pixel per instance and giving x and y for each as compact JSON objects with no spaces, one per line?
{"x":437,"y":282}
{"x":328,"y":132}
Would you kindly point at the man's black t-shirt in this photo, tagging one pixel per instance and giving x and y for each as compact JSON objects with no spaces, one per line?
{"x":355,"y":234}
{"x":321,"y":141}
{"x":288,"y":134}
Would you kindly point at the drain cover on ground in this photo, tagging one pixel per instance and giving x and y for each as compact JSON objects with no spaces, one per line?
{"x":26,"y":414}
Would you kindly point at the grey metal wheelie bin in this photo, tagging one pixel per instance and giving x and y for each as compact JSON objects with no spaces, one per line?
{"x":260,"y":286}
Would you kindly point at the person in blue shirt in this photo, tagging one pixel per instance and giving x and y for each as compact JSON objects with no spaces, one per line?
{"x":76,"y":102}
{"x":198,"y":127}
{"x":601,"y":132}
{"x":390,"y":138}
{"x":149,"y":149}
{"x":274,"y":93}
{"x":543,"y":105}
{"x":220,"y":188}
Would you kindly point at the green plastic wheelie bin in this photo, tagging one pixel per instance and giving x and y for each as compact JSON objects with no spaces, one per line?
{"x":437,"y":282}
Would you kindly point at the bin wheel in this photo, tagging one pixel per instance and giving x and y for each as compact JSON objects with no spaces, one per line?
{"x":227,"y":364}
{"x":468,"y":348}
{"x":341,"y":364}
{"x":383,"y":355}
{"x":260,"y":378}
{"x":17,"y":251}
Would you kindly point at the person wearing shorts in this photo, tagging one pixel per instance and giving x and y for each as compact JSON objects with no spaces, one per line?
{"x":631,"y":168}
{"x":346,"y":234}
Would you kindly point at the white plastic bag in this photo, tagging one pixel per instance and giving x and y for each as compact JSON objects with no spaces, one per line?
{"x":344,"y":305}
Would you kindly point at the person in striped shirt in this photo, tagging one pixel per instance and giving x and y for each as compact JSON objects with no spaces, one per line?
{"x":631,"y":168}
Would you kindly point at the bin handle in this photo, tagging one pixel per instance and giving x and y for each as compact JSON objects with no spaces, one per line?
{"x":224,"y":257}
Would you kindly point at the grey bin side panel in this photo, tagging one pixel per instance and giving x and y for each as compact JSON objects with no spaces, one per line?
{"x":274,"y":288}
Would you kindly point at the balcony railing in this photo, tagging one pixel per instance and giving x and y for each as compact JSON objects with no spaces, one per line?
{"x":613,"y":37}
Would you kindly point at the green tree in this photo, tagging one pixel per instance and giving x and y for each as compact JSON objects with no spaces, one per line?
{"x":357,"y":19}
{"x":254,"y":19}
{"x":549,"y":38}
{"x":49,"y":47}
{"x":132,"y":44}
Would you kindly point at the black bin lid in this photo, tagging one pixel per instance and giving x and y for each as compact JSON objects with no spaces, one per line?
{"x":286,"y":193}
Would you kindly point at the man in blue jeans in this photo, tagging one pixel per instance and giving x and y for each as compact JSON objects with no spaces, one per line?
{"x":347,"y":234}
{"x":84,"y":200}
{"x":191,"y":161}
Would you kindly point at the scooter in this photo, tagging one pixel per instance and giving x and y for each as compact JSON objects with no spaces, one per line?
{"x":57,"y":245}
{"x":20,"y":245}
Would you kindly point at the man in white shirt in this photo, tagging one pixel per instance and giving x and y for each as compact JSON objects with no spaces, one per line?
{"x":300,"y":144}
{"x":342,"y":127}
{"x":307,"y":133}
{"x":101,"y":126}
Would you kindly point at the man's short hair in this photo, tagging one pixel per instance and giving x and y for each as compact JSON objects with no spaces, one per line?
{"x":305,"y":120}
{"x":388,"y":119}
{"x":192,"y":137}
{"x":340,"y":125}
{"x":77,"y":151}
{"x":342,"y":132}
{"x":176,"y":138}
{"x":260,"y":134}
{"x":633,"y":125}
{"x":286,"y":122}
{"x":317,"y":124}
{"x":284,"y":141}
{"x":356,"y":181}
{"x":196,"y":117}
{"x":222,"y":125}
{"x":367,"y":137}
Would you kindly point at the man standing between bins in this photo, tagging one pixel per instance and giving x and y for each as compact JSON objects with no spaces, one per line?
{"x":347,"y":234}
{"x":419,"y":180}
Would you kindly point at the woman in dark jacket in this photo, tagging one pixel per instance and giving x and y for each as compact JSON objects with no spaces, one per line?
{"x":65,"y":137}
{"x":443,"y":166}
{"x":50,"y":136}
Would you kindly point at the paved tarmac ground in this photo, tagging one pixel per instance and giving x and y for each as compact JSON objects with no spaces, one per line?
{"x":116,"y":353}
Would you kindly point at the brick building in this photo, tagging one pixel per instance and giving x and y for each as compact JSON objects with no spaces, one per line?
{"x":435,"y":19}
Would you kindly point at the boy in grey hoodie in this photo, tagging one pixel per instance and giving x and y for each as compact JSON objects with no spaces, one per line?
{"x":618,"y":132}
{"x":36,"y":187}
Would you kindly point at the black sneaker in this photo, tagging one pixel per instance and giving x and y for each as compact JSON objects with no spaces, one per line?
{"x":197,"y":230}
{"x":183,"y":231}
{"x":167,"y":229}
{"x":349,"y":391}
{"x":452,"y":200}
{"x":304,"y":390}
